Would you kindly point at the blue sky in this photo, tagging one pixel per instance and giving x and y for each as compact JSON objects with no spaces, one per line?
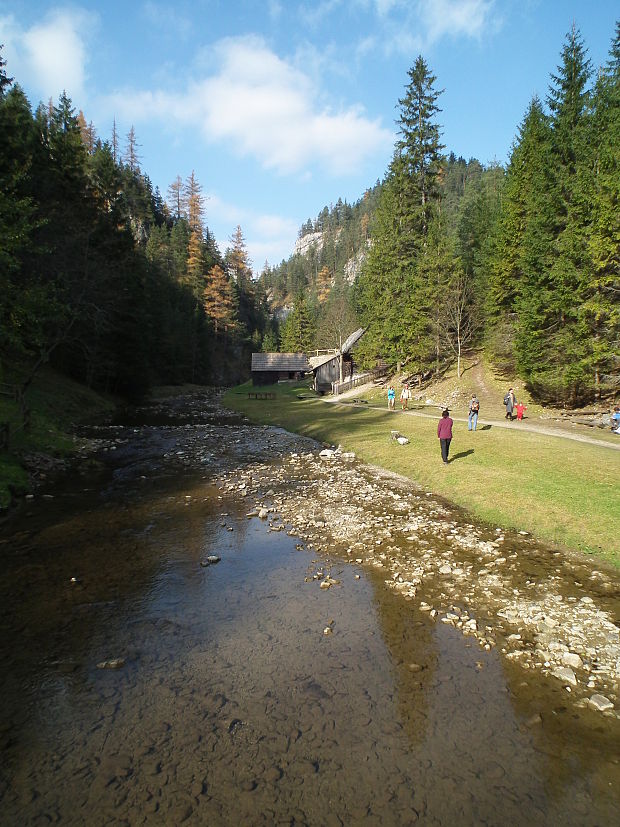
{"x":280,"y":108}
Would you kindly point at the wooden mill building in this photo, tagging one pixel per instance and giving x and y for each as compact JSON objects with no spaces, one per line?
{"x":335,"y":367}
{"x":269,"y":368}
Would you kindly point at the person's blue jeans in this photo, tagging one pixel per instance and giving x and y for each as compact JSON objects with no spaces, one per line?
{"x":472,"y":421}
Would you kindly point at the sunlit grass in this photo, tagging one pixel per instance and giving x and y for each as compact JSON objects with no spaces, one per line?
{"x":562,"y":491}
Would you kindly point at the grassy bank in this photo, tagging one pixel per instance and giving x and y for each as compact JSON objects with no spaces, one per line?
{"x":560,"y":490}
{"x":56,"y":404}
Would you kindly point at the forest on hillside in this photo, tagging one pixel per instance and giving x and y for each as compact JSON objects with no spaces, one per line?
{"x":451,"y":256}
{"x":99,"y":275}
{"x":122,"y":289}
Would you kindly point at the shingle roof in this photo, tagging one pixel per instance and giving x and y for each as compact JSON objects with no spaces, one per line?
{"x":280,"y":361}
{"x":317,"y":361}
{"x":353,"y":338}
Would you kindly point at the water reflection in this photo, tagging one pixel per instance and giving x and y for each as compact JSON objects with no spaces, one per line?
{"x":231,"y":705}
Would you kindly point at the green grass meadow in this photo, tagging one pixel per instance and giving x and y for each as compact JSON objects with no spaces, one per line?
{"x":562,"y":491}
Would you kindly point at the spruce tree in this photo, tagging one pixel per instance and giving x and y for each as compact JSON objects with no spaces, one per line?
{"x":395,"y":295}
{"x":518,"y":281}
{"x":566,"y":339}
{"x":599,"y":314}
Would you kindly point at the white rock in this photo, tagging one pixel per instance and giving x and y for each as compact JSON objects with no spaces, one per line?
{"x":263,"y":513}
{"x":564,"y":674}
{"x":445,"y":569}
{"x":601,"y":703}
{"x":572,"y":659}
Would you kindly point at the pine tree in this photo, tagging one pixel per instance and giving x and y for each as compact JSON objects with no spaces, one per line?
{"x":298,"y":331}
{"x":566,"y":342}
{"x":192,"y":197}
{"x":218,"y":300}
{"x":394,"y":293}
{"x":131,"y":157}
{"x":419,"y":148}
{"x":87,"y":130}
{"x":194,"y":277}
{"x":600,"y":185}
{"x":237,"y":258}
{"x":176,"y":198}
{"x":115,"y":150}
{"x":323,"y":284}
{"x":519,"y":279}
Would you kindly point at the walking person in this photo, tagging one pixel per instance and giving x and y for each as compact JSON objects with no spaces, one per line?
{"x":521,"y":409}
{"x":405,"y":396}
{"x":444,"y":432}
{"x":474,"y":408}
{"x":391,"y":397}
{"x":510,"y":400}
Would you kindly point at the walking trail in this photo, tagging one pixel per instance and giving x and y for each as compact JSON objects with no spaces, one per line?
{"x":496,"y":423}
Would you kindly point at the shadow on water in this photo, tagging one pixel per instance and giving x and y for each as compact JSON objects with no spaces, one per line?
{"x":229,"y":703}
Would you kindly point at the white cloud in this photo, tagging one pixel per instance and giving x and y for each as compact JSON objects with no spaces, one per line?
{"x":264,"y":108}
{"x":410,"y":26}
{"x":455,"y":17}
{"x":50,"y":57}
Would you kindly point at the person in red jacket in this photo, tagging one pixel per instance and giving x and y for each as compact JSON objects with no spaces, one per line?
{"x":520,"y":410}
{"x":444,"y":432}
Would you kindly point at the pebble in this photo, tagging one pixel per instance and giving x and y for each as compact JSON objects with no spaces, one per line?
{"x":601,"y":703}
{"x":571,"y":659}
{"x":566,"y":675}
{"x":114,"y":663}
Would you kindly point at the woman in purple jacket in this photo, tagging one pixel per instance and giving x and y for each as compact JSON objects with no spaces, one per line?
{"x":444,"y":432}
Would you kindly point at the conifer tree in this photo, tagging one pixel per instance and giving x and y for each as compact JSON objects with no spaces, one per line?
{"x":600,"y":178}
{"x":323,"y":284}
{"x":394,"y":292}
{"x":176,"y":199}
{"x":219,"y":302}
{"x":566,"y":345}
{"x":238,"y":260}
{"x":520,"y":283}
{"x":192,"y":198}
{"x":298,"y":330}
{"x":114,"y":144}
{"x":131,"y":157}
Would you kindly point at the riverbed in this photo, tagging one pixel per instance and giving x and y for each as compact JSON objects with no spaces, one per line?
{"x":212,"y":622}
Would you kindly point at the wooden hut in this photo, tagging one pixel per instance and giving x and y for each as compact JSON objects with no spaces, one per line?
{"x":327,"y":369}
{"x":269,"y":368}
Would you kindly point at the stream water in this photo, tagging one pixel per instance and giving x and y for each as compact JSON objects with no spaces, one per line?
{"x":142,"y":685}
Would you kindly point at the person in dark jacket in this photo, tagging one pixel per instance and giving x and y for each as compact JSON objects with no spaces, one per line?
{"x":444,"y":432}
{"x":510,"y":400}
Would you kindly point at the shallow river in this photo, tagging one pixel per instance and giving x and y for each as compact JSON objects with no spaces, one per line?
{"x":142,"y":685}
